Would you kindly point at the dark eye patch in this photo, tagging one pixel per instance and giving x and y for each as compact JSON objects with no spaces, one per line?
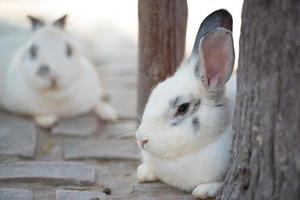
{"x":33,"y":50}
{"x":219,"y":105}
{"x":69,"y":50}
{"x":195,"y":124}
{"x":196,"y":106}
{"x":174,"y":103}
{"x":183,"y":107}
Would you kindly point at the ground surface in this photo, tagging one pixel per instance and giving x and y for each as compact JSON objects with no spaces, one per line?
{"x":77,"y":159}
{"x":80,"y":157}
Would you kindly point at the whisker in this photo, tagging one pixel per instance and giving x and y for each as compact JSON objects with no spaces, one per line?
{"x":139,"y":117}
{"x":123,"y":120}
{"x":126,"y":134}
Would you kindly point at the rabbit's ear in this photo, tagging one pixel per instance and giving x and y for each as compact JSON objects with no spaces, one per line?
{"x":61,"y":22}
{"x":216,"y":59}
{"x":35,"y":22}
{"x":213,"y":50}
{"x":220,"y":18}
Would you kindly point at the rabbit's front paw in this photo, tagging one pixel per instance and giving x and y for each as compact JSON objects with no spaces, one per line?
{"x":207,"y":190}
{"x":46,"y":121}
{"x":106,"y":112}
{"x":146,"y":174}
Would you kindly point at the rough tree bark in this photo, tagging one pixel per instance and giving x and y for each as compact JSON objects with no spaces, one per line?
{"x":162,"y":30}
{"x":266,"y":148}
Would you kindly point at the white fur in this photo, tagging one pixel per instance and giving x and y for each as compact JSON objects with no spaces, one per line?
{"x":176,"y":154}
{"x":78,"y":91}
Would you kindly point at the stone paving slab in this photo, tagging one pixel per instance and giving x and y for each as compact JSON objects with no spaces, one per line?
{"x":48,"y":172}
{"x":17,"y":136}
{"x":158,"y":191}
{"x":15,"y":194}
{"x":79,"y":195}
{"x":154,"y":197}
{"x":101,"y":149}
{"x":78,"y":126}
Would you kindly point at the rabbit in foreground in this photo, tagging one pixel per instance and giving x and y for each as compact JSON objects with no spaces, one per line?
{"x":185,"y":133}
{"x":49,"y":79}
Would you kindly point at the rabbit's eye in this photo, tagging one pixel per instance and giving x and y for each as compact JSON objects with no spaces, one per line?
{"x":69,"y":50}
{"x":182,"y":109}
{"x":33,"y":51}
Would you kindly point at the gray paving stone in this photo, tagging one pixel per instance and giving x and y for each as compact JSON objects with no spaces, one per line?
{"x":15,"y":194}
{"x":54,"y":172}
{"x":17,"y":136}
{"x":153,"y":197}
{"x":121,"y":129}
{"x":79,"y":195}
{"x":101,"y":149}
{"x":158,"y":190}
{"x":78,"y":126}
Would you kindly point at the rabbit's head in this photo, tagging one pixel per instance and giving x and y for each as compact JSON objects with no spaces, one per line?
{"x":50,"y":60}
{"x":188,"y":111}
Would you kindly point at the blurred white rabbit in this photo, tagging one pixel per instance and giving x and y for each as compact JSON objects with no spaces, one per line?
{"x":185,"y":134}
{"x":48,"y":78}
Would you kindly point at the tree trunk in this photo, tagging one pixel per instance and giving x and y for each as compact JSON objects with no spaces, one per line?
{"x":266,"y":147}
{"x":162,"y":30}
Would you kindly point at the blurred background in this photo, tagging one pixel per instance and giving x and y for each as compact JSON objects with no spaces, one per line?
{"x":108,"y":30}
{"x":115,"y":15}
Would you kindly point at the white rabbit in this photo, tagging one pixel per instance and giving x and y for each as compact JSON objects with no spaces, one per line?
{"x":48,"y":78}
{"x":185,"y":133}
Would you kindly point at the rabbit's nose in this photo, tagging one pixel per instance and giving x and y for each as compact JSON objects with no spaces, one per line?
{"x":43,"y":70}
{"x":144,"y":141}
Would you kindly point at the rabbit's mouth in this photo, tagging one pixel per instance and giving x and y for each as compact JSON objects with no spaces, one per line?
{"x":54,"y":85}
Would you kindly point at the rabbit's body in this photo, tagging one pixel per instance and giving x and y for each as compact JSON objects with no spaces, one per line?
{"x":75,"y":99}
{"x":185,"y":133}
{"x":48,"y":78}
{"x":191,"y":170}
{"x":197,"y":166}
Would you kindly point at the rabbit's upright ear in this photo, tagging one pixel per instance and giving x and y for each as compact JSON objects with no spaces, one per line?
{"x":215,"y":51}
{"x":61,"y":22}
{"x":219,"y":18}
{"x":216,"y":58}
{"x":35,"y":22}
